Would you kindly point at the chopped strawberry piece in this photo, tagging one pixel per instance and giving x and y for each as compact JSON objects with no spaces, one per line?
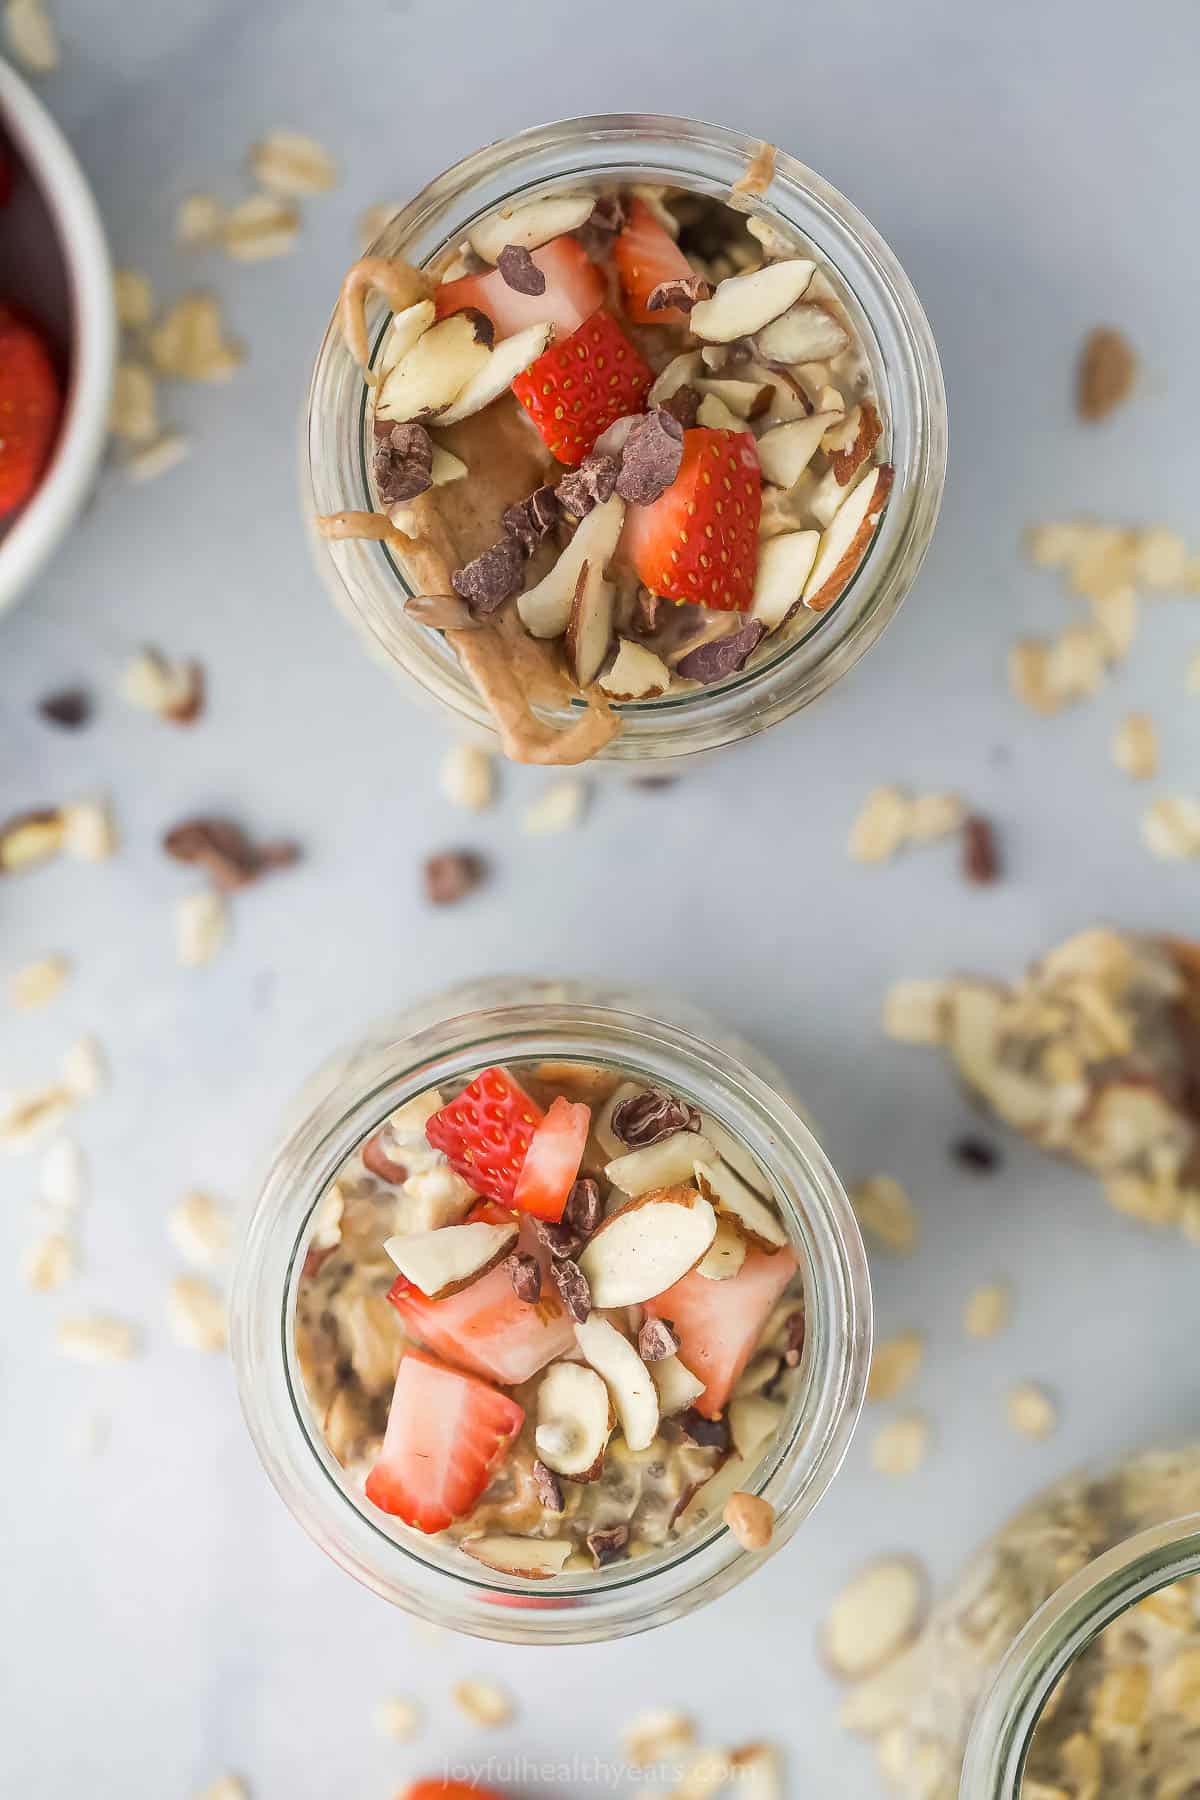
{"x":446,"y":1432}
{"x":718,"y":1323}
{"x":485,"y":1328}
{"x":574,"y":289}
{"x":646,"y":255}
{"x":447,"y":1790}
{"x":576,"y":388}
{"x":698,"y":542}
{"x":485,"y":1132}
{"x":30,"y":403}
{"x":552,"y":1160}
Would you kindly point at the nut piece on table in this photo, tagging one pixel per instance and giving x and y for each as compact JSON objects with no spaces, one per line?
{"x":751,"y":1520}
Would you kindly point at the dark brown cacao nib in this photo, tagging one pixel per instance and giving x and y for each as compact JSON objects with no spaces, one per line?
{"x":530,"y":520}
{"x":591,"y":484}
{"x":651,"y":458}
{"x":547,"y":1487}
{"x":573,"y":1289}
{"x":648,"y":1118}
{"x":402,"y":463}
{"x":656,"y":1339}
{"x":608,"y":1544}
{"x":722,"y":656}
{"x":525,"y":1272}
{"x":519,"y":270}
{"x":488,"y":581}
{"x":584,"y":1206}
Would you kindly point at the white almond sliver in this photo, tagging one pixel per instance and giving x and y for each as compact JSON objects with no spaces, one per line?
{"x":752,"y":1421}
{"x":196,"y":1313}
{"x":199,"y":1228}
{"x":657,"y":1736}
{"x":397,"y":1719}
{"x":647,"y":1246}
{"x":636,"y":674}
{"x":680,"y":372}
{"x":511,"y":357}
{"x":734,"y":1201}
{"x":660,"y":1165}
{"x":1031,"y":1410}
{"x":757,"y":1772}
{"x":1171,"y":827}
{"x":289,"y":163}
{"x":533,"y":1559}
{"x":428,"y":378}
{"x":445,"y":466}
{"x":84,"y":1068}
{"x":784,"y":565}
{"x":676,"y":1386}
{"x":48,"y":1263}
{"x":483,"y":1702}
{"x":200,"y":928}
{"x":95,"y":1338}
{"x":1135,"y":747}
{"x":936,"y":816}
{"x":988,"y":1310}
{"x":133,"y":409}
{"x":885,"y":1212}
{"x":744,"y":304}
{"x":882,"y":827}
{"x":874,"y":1617}
{"x":626,"y":1376}
{"x":530,"y":226}
{"x":805,"y":334}
{"x":725,"y":1255}
{"x":443,"y":1261}
{"x":62,"y":1180}
{"x":713,"y":414}
{"x":785,"y":451}
{"x":38,"y":983}
{"x":545,"y":608}
{"x":89,"y":831}
{"x":467,"y":777}
{"x":134,"y":298}
{"x":895,"y":1363}
{"x":227,"y":1787}
{"x":402,"y":334}
{"x":558,"y":808}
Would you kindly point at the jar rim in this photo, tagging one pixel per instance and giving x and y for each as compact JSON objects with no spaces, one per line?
{"x":366,"y":581}
{"x":793,"y":1472}
{"x":1058,"y":1632}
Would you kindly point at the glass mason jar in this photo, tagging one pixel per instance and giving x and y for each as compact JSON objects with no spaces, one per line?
{"x":449,"y":1040}
{"x":366,"y":580}
{"x":1006,"y":1694}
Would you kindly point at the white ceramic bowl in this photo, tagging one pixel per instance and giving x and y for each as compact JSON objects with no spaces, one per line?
{"x":92,"y":332}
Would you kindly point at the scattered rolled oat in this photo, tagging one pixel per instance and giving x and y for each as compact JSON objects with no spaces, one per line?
{"x":885,"y":1212}
{"x":935,"y":816}
{"x":63,"y":1176}
{"x":96,"y":1338}
{"x":49,"y":1263}
{"x":895,"y":1364}
{"x":30,"y":838}
{"x":706,"y":1771}
{"x":876,"y":1615}
{"x":1135,"y":746}
{"x":757,"y":1772}
{"x":89,"y":831}
{"x":882,"y":827}
{"x":27,"y":1117}
{"x":988,"y":1310}
{"x":291,"y":164}
{"x":397,"y":1719}
{"x":484,"y":1702}
{"x":1031,"y":1410}
{"x":751,"y":1519}
{"x":260,"y":227}
{"x":1028,"y":675}
{"x":199,"y":221}
{"x":196,"y":1313}
{"x":133,"y":410}
{"x":1192,"y":677}
{"x":914,"y":1011}
{"x":1171,"y":827}
{"x":84,"y":1068}
{"x":451,"y":875}
{"x":467,"y":777}
{"x":557,"y":808}
{"x":657,"y":1736}
{"x":134,"y":298}
{"x":1116,"y":617}
{"x":199,"y":1227}
{"x":201,"y":922}
{"x":1106,"y":374}
{"x":1160,"y":560}
{"x":227,"y":1787}
{"x":158,"y":458}
{"x":189,"y":341}
{"x":38,"y":983}
{"x":32,"y":37}
{"x":374,"y":221}
{"x":900,"y":1446}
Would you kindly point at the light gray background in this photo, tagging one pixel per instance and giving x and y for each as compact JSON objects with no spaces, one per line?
{"x":1034,"y":167}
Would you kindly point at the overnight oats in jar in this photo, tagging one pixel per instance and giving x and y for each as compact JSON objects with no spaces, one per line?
{"x":626,"y":440}
{"x":552,"y":1319}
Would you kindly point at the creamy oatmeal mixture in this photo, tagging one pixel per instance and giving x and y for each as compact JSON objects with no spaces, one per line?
{"x":624,"y":444}
{"x":554,"y":1316}
{"x":1124,"y":1721}
{"x":1094,"y":1055}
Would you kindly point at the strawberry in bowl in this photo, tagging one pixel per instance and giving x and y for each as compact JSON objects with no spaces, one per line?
{"x":540,"y":1283}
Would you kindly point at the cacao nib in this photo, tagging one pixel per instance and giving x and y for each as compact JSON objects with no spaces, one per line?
{"x":525,"y":1273}
{"x":547,"y":1486}
{"x":573,"y":1289}
{"x":451,"y":875}
{"x":488,"y":581}
{"x":591,"y":484}
{"x":519,"y":270}
{"x":608,"y":1545}
{"x":722,"y":656}
{"x":402,"y":463}
{"x":584,"y":1206}
{"x":706,"y":1434}
{"x":656,"y":1339}
{"x":647,"y":1118}
{"x":651,"y":458}
{"x":529,"y":521}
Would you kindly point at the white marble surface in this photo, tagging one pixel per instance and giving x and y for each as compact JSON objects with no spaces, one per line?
{"x":1034,"y":168}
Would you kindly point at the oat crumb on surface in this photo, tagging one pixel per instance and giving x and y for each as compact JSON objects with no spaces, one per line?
{"x":557,"y":808}
{"x":886,"y":1213}
{"x":398,"y":1719}
{"x":197,"y":1315}
{"x":37,"y":983}
{"x":1031,"y":1410}
{"x":988,"y":1310}
{"x":484,"y":1702}
{"x":97,"y":1338}
{"x":900,"y":1447}
{"x":895,"y":1364}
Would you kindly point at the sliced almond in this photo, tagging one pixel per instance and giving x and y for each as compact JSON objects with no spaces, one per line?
{"x":402,"y":335}
{"x":744,"y":304}
{"x":602,"y":1129}
{"x":628,"y":1379}
{"x":851,"y":441}
{"x":535,"y":1559}
{"x":680,"y":372}
{"x":805,"y":334}
{"x":574,"y":1420}
{"x":657,"y":1736}
{"x":725,"y":1255}
{"x":732,"y":1151}
{"x":648,"y":1245}
{"x":511,"y":357}
{"x":589,"y":628}
{"x":714,"y":415}
{"x":445,"y":466}
{"x":844,"y":543}
{"x":430,"y":377}
{"x":660,"y":1165}
{"x":744,"y":399}
{"x":785,"y":451}
{"x":784,"y":565}
{"x":530,"y":226}
{"x":677,"y":1387}
{"x":828,"y":494}
{"x":545,"y":608}
{"x":442,"y":1262}
{"x":757,"y":1772}
{"x":733,"y":1200}
{"x":874,"y":1617}
{"x":637,"y":673}
{"x":752,"y":1420}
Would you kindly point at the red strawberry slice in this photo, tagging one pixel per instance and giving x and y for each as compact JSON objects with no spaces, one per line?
{"x":446,"y":1433}
{"x":485,"y":1328}
{"x":720,"y":1322}
{"x":485,"y":1132}
{"x":646,"y":254}
{"x":30,"y":403}
{"x":699,"y":541}
{"x":552,"y":1160}
{"x":447,"y":1790}
{"x":578,"y":387}
{"x":574,"y":289}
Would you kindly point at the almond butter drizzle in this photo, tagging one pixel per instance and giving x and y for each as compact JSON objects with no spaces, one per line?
{"x":401,"y":286}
